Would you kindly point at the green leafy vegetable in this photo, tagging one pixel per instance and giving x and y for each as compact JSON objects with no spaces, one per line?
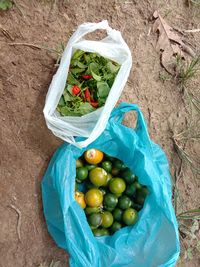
{"x":112,"y":67}
{"x":62,"y":102}
{"x":71,"y":79}
{"x":89,"y":81}
{"x":94,"y":68}
{"x":103,"y":89}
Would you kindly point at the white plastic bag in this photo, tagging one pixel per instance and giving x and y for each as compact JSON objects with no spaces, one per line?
{"x":90,"y":125}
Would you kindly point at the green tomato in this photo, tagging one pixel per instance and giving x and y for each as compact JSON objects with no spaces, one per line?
{"x":128,"y":176}
{"x":107,"y":219}
{"x":79,"y":163}
{"x":130,"y":216}
{"x":107,"y":166}
{"x":130,"y":190}
{"x":115,"y":227}
{"x":119,"y":165}
{"x":115,"y":171}
{"x":117,"y":214}
{"x":110,"y":201}
{"x":90,"y":210}
{"x":124,"y":202}
{"x":95,"y":219}
{"x":98,"y":176}
{"x":90,"y":166}
{"x":117,"y":185}
{"x":81,"y":173}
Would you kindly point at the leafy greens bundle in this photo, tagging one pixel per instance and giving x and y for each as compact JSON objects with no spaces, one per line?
{"x":89,"y":81}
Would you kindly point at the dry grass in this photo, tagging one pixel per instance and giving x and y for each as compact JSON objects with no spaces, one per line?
{"x":186,"y":72}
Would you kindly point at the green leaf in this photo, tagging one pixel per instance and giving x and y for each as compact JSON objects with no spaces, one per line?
{"x":85,"y":108}
{"x":94,"y":68}
{"x":66,"y":111}
{"x":5,"y":4}
{"x":62,"y":101}
{"x":96,"y":77}
{"x":77,"y":54}
{"x":112,"y":68}
{"x":67,"y":96}
{"x":69,"y":88}
{"x":81,"y":65}
{"x":101,"y":101}
{"x":103,"y":89}
{"x":71,"y":79}
{"x":108,"y":76}
{"x":77,"y":70}
{"x":87,"y":58}
{"x":111,"y":81}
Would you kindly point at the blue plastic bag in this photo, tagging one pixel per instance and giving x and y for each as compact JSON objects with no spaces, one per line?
{"x":153,"y":241}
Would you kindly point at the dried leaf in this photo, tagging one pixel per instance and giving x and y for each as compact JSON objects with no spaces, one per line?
{"x":170,"y":42}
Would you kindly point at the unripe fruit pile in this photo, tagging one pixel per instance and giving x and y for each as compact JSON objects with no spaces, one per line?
{"x":108,"y":191}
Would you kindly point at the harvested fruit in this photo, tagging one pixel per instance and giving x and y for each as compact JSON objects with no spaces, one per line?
{"x":117,"y":185}
{"x":119,"y":165}
{"x":98,"y":176}
{"x":124,"y":202}
{"x":117,"y":214}
{"x":128,"y":176}
{"x":97,"y":232}
{"x":143,"y":191}
{"x":79,"y":163}
{"x":93,"y":156}
{"x":105,"y":231}
{"x":109,"y":177}
{"x":115,"y":227}
{"x":89,"y":185}
{"x":90,"y":166}
{"x":90,"y":210}
{"x":107,"y":166}
{"x":130,"y":216}
{"x":79,"y":196}
{"x":140,"y":200}
{"x":130,"y":190}
{"x":107,"y":219}
{"x":95,"y":219}
{"x":94,"y":197}
{"x":112,"y":195}
{"x":100,"y":232}
{"x":110,"y":201}
{"x":137,"y":185}
{"x":81,"y":173}
{"x":115,"y":171}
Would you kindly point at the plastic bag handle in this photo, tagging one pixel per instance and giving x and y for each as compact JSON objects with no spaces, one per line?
{"x":88,"y":27}
{"x":141,"y":127}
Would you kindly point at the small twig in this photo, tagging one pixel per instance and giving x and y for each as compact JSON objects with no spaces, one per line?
{"x":6,"y":33}
{"x":192,"y":30}
{"x":149,"y":31}
{"x":27,"y":44}
{"x":19,"y":220}
{"x":36,"y":47}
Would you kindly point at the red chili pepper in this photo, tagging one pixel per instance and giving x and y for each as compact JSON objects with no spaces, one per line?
{"x":87,"y":77}
{"x":87,"y":95}
{"x":75,"y":90}
{"x":94,"y":104}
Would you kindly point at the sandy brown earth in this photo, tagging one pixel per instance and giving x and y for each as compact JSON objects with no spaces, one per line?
{"x":26,"y":144}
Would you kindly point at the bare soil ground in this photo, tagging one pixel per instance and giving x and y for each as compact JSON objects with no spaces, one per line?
{"x":26,"y":144}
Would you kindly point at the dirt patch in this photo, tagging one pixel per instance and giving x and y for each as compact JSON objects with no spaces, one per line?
{"x":27,"y":144}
